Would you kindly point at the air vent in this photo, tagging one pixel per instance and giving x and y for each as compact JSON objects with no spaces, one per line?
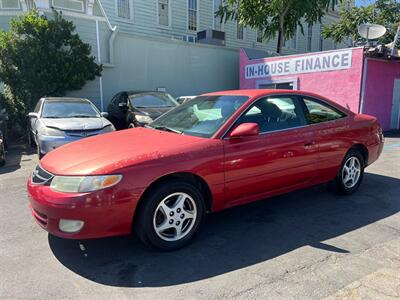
{"x":41,"y":176}
{"x":212,"y":37}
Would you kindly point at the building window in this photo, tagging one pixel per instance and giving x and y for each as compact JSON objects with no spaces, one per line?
{"x":9,"y":4}
{"x":124,"y":9}
{"x":239,"y":31}
{"x":309,"y":38}
{"x":259,"y":37}
{"x":75,"y":5}
{"x":217,"y":20}
{"x":163,"y":12}
{"x":192,"y":15}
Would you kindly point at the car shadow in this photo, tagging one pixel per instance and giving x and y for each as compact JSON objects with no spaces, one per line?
{"x":235,"y":238}
{"x":14,"y":155}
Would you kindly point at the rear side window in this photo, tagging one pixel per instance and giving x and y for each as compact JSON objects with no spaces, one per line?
{"x":275,"y":113}
{"x":318,"y":111}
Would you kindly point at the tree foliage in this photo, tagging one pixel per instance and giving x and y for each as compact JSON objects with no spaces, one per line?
{"x":274,"y":16}
{"x":383,"y":12}
{"x":42,"y":56}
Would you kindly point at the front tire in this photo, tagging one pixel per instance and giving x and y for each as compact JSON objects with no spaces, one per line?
{"x":170,"y":215}
{"x":350,"y":174}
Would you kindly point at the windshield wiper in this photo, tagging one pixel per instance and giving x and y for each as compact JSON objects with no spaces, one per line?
{"x":165,"y":128}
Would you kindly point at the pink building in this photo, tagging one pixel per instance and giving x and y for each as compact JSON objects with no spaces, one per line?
{"x":347,"y":76}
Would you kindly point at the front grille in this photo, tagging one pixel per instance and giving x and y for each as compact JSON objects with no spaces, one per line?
{"x":41,"y":176}
{"x":82,"y":133}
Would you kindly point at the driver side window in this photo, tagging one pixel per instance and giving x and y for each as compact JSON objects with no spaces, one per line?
{"x":275,"y":113}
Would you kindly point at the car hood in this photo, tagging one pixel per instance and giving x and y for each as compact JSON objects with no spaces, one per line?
{"x":107,"y":153}
{"x":76,"y":123}
{"x":153,"y":112}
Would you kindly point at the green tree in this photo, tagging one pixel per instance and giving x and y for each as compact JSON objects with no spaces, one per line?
{"x":42,"y":56}
{"x":274,"y":16}
{"x":383,"y":12}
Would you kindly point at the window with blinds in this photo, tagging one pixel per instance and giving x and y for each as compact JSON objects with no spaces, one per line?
{"x":163,"y":12}
{"x":239,"y":31}
{"x":217,"y":20}
{"x":192,"y":15}
{"x":259,"y":37}
{"x":124,"y":9}
{"x":74,"y":5}
{"x":9,"y":4}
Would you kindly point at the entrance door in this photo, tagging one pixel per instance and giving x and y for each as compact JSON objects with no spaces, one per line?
{"x":395,"y":117}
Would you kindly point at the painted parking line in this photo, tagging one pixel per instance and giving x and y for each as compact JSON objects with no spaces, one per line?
{"x":391,"y":146}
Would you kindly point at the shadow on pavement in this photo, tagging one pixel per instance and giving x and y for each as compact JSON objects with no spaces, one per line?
{"x":14,"y":155}
{"x":235,"y":238}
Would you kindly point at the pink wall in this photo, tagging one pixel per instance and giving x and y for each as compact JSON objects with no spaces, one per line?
{"x":379,"y":85}
{"x":342,"y":86}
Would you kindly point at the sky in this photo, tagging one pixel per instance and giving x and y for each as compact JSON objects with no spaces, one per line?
{"x":363,"y":2}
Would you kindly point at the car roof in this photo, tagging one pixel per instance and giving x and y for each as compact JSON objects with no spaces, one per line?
{"x":256,"y":93}
{"x":260,"y":92}
{"x":65,"y":99}
{"x":142,"y":92}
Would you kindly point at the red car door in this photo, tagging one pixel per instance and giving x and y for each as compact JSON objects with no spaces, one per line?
{"x":332,"y":135}
{"x":282,"y":156}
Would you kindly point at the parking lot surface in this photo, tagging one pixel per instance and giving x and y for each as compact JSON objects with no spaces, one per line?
{"x":310,"y":244}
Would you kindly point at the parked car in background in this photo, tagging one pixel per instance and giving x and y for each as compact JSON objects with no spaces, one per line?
{"x":130,"y":109}
{"x":57,"y":121}
{"x":216,"y":151}
{"x":183,"y":99}
{"x":2,"y":150}
{"x":3,"y":122}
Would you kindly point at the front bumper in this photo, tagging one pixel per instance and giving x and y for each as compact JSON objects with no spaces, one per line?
{"x":108,"y":212}
{"x":49,"y":143}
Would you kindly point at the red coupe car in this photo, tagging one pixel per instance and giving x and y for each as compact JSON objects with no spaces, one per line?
{"x":215,"y":151}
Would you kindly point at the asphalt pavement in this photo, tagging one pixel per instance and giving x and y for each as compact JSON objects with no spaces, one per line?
{"x":309,"y":244}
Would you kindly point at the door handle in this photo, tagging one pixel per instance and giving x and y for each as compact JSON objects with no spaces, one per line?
{"x":309,"y":144}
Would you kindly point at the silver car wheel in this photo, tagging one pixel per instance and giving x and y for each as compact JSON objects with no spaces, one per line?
{"x":175,"y":217}
{"x":351,"y":172}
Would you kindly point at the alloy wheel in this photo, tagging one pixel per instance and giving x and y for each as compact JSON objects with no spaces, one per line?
{"x":175,"y":217}
{"x":351,"y":172}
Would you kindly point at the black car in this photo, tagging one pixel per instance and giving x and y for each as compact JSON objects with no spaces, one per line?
{"x":3,"y":122}
{"x":130,"y":109}
{"x":2,"y":150}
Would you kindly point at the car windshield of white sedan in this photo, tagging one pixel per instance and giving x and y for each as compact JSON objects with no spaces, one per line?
{"x":56,"y":110}
{"x":149,"y":100}
{"x":201,"y":116}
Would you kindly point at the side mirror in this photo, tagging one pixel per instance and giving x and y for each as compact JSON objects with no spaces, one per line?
{"x":123,"y":105}
{"x":104,"y":114}
{"x":33,"y":115}
{"x":245,"y":129}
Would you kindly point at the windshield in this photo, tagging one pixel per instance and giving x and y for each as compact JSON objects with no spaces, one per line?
{"x":202,"y":116}
{"x":152,"y":100}
{"x":69,"y":110}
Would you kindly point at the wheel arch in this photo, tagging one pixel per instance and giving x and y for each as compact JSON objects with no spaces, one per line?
{"x":189,"y":177}
{"x":363,"y":150}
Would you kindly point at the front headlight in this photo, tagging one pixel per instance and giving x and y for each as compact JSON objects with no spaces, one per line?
{"x":83,"y":184}
{"x":109,"y":128}
{"x":50,"y":131}
{"x":143,"y":119}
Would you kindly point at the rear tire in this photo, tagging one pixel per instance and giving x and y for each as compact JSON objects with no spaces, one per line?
{"x":39,"y":153}
{"x":350,"y":174}
{"x":170,"y":215}
{"x":2,"y":155}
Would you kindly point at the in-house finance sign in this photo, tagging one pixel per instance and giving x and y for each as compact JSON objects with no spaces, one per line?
{"x":338,"y":60}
